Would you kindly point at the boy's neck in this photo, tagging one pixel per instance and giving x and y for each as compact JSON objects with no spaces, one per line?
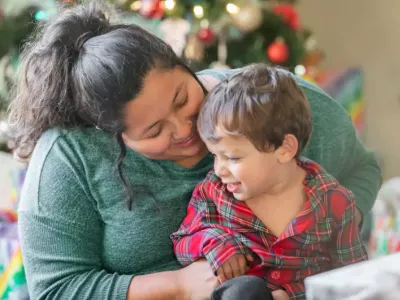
{"x":289,"y":177}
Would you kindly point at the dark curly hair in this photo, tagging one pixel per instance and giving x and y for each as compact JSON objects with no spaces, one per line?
{"x":81,"y":70}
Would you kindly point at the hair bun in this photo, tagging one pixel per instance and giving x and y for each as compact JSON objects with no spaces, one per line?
{"x":78,"y":25}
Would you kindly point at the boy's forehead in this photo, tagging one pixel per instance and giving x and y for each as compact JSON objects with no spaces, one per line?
{"x":229,"y":143}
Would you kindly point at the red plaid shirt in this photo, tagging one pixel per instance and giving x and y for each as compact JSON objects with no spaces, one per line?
{"x":323,"y":236}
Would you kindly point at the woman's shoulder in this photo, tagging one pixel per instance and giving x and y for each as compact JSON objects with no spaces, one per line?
{"x":321,"y":103}
{"x":63,"y":161}
{"x":84,"y":142}
{"x":73,"y":149}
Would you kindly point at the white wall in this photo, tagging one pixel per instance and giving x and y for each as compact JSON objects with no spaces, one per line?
{"x":366,"y":33}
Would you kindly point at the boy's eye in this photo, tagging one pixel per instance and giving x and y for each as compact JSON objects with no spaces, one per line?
{"x":234,"y":159}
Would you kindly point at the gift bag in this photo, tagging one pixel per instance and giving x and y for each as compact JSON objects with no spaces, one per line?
{"x":377,"y":279}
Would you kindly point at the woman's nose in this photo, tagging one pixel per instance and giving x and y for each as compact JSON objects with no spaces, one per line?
{"x":182,"y":128}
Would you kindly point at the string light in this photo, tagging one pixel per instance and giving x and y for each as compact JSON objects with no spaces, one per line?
{"x":300,"y":70}
{"x":136,"y":5}
{"x":41,"y":15}
{"x":169,"y":4}
{"x":198,"y":11}
{"x":232,"y":8}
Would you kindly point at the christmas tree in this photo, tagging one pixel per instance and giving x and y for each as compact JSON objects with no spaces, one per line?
{"x":207,"y":33}
{"x":230,"y":33}
{"x":14,"y":31}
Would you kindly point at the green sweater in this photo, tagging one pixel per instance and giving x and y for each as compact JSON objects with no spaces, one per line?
{"x":79,"y":240}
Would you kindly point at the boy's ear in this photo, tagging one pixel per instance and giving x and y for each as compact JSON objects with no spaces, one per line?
{"x":289,"y":149}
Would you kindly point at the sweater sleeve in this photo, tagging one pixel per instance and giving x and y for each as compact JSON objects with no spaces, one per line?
{"x":61,"y":234}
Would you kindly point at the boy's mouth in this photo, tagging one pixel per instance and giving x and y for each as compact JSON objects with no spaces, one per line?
{"x":233,"y":187}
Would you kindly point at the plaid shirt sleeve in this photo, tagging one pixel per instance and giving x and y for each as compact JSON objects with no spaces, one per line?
{"x":202,"y":235}
{"x":348,"y":248}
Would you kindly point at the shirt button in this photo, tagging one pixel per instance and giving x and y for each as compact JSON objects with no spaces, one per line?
{"x":279,"y":251}
{"x":275,"y":275}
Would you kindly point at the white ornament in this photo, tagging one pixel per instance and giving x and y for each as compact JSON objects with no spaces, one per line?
{"x":248,"y":18}
{"x":174,"y":33}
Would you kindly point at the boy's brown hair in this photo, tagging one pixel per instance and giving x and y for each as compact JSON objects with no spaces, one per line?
{"x":260,"y":102}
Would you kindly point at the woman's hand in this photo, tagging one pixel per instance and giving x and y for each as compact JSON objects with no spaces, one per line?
{"x":197,"y":281}
{"x":280,"y":295}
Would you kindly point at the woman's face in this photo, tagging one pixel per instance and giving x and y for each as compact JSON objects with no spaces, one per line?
{"x":161,"y":121}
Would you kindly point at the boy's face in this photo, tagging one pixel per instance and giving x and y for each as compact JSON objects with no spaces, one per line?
{"x":246,"y":172}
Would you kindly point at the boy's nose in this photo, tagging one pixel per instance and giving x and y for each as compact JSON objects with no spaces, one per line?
{"x":220,"y":170}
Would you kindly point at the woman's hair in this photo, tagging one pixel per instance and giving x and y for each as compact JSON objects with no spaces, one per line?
{"x":79,"y":71}
{"x":261,"y":103}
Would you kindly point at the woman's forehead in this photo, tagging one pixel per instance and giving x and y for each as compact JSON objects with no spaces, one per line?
{"x":154,"y":101}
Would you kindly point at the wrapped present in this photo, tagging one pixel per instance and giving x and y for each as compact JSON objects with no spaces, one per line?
{"x":370,"y":280}
{"x":12,"y":275}
{"x":385,"y":234}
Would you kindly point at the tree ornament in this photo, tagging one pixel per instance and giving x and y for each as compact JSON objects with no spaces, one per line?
{"x":278,"y":51}
{"x":288,"y":14}
{"x":206,"y":35}
{"x":151,"y":9}
{"x":248,"y":18}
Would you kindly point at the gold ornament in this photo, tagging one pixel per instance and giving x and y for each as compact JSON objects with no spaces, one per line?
{"x":194,"y":49}
{"x":248,"y":18}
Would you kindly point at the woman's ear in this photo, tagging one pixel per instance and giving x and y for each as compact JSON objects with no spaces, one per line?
{"x":289,"y":149}
{"x":127,"y":141}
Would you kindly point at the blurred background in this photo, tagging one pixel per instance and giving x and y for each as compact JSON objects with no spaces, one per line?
{"x":349,"y":48}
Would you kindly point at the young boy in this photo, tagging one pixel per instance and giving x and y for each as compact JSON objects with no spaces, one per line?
{"x":264,"y":210}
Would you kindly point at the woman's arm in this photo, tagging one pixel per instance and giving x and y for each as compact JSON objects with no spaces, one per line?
{"x":336,"y":146}
{"x":61,"y":235}
{"x":194,"y":282}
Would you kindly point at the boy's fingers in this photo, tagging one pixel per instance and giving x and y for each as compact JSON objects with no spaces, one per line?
{"x":249,"y":257}
{"x":227,"y":270}
{"x":221,"y":275}
{"x":243,"y":265}
{"x":235,"y":267}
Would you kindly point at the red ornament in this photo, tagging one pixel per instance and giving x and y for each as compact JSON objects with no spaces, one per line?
{"x":278,"y":52}
{"x":152,"y":9}
{"x":206,"y":35}
{"x":288,"y":14}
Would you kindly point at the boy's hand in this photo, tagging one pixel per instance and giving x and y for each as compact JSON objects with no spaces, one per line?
{"x":235,"y":266}
{"x":280,"y":295}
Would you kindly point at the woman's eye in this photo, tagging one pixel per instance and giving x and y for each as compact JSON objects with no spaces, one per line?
{"x":183,"y":103}
{"x":156,"y":134}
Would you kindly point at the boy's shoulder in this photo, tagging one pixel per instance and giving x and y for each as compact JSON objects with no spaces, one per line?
{"x":327,"y":195}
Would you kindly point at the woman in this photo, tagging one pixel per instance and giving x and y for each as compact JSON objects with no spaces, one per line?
{"x":107,"y":97}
